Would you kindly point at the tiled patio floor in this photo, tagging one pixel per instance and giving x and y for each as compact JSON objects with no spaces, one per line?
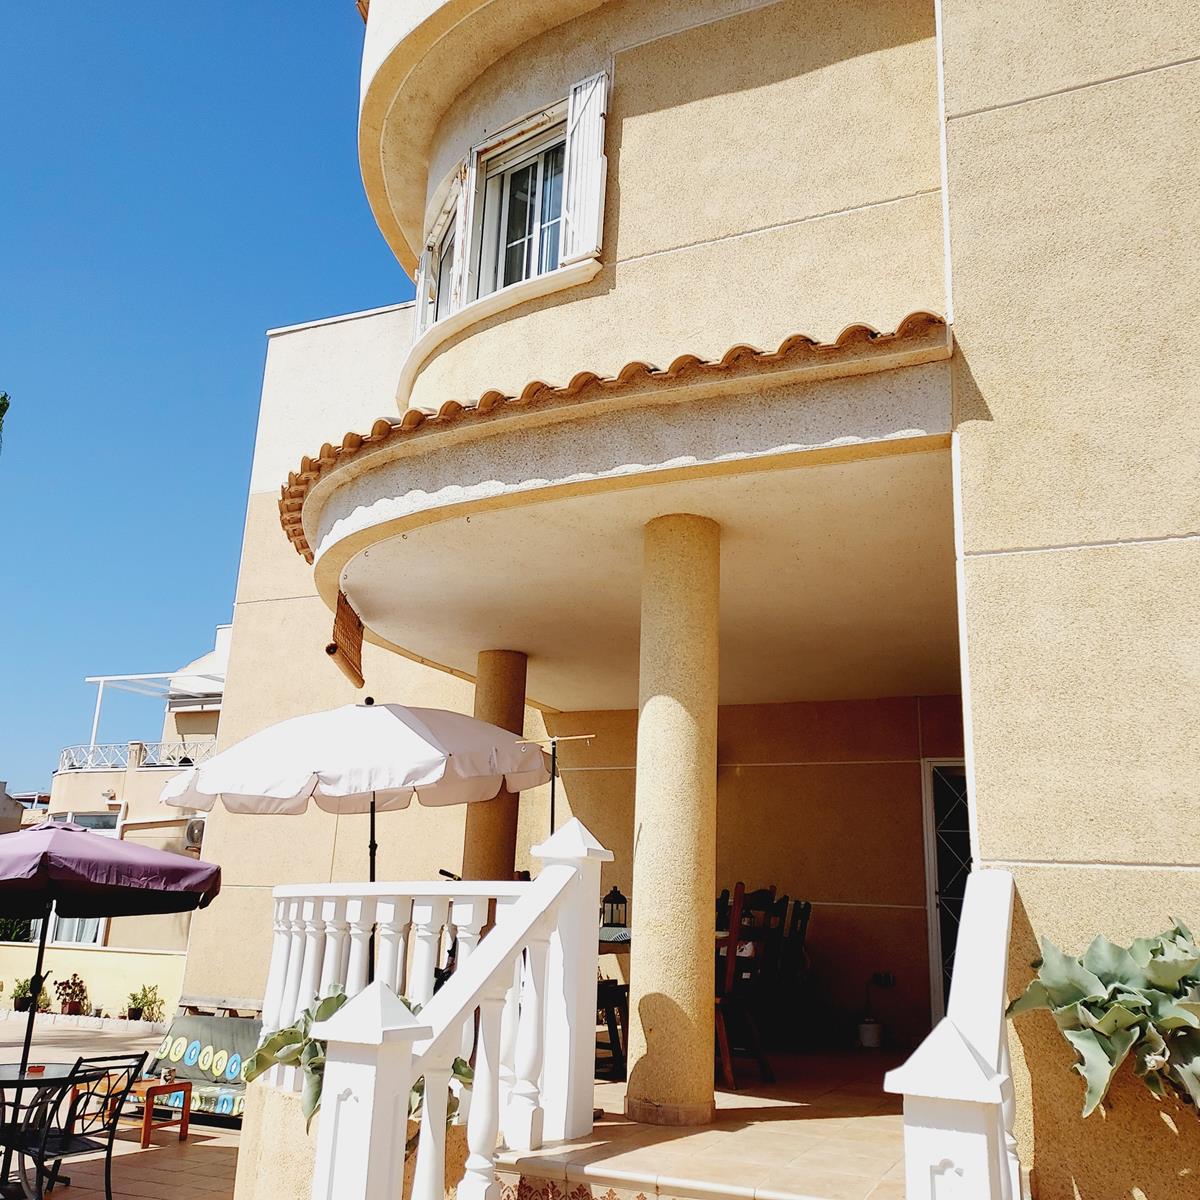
{"x":202,"y":1168}
{"x":825,"y":1131}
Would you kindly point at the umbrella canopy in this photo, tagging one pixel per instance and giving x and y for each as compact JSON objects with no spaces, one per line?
{"x":87,"y":874}
{"x":360,"y":757}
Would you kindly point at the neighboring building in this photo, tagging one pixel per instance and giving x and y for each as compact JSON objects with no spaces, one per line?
{"x":788,"y":387}
{"x":12,"y":809}
{"x":114,"y":788}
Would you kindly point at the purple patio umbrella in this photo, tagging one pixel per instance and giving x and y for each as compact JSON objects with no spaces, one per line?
{"x":86,"y":874}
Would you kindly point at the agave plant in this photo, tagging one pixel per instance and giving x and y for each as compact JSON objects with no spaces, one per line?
{"x":1142,"y":999}
{"x":294,"y":1046}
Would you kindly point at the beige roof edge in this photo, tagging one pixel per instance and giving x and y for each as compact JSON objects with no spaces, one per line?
{"x":339,"y":318}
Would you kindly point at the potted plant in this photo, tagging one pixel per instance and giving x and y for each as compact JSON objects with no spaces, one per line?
{"x":870,"y":1029}
{"x":145,"y":1004}
{"x":22,"y":995}
{"x":72,"y":995}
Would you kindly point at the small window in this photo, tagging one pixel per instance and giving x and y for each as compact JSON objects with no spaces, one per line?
{"x":524,"y":204}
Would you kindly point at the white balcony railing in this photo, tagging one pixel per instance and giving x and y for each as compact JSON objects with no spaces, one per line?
{"x":117,"y":756}
{"x":959,"y":1106}
{"x":520,"y":998}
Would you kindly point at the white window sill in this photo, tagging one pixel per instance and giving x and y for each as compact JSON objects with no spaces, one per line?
{"x":487,"y":306}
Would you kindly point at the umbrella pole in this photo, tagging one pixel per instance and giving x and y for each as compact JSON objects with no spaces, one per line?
{"x":35,"y":985}
{"x":373,"y":845}
{"x":553,"y":778}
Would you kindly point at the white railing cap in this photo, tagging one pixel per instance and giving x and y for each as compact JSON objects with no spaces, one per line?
{"x":573,"y":841}
{"x":453,"y":889}
{"x":374,"y":1017}
{"x":945,"y":1067}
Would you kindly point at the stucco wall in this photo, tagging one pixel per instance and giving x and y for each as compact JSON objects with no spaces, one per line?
{"x":320,"y":380}
{"x":821,"y":799}
{"x":110,"y":974}
{"x":1073,"y":149}
{"x":770,"y":172}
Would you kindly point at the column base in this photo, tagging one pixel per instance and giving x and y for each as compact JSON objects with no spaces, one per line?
{"x":646,"y":1112}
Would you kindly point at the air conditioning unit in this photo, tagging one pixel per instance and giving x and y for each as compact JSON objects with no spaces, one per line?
{"x":195,"y":833}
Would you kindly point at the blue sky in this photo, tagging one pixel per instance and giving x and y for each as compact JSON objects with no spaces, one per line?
{"x":176,"y":180}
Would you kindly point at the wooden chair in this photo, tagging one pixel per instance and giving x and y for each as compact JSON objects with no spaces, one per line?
{"x":756,"y":929}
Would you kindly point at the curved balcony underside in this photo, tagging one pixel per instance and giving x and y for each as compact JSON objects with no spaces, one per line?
{"x":519,"y":525}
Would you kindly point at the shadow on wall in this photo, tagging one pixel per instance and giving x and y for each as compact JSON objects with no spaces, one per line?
{"x":1135,"y":1146}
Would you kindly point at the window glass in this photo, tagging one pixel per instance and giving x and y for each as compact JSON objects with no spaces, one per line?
{"x":552,"y":182}
{"x":519,"y":225}
{"x":445,"y":276}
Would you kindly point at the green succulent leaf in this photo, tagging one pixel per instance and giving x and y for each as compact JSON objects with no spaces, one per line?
{"x":1033,"y":997}
{"x":1100,"y":1058}
{"x":1184,"y":1066}
{"x":1112,"y":963}
{"x":1066,"y":979}
{"x":1115,"y":1018}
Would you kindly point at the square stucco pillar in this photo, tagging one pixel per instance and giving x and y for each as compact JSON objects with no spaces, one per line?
{"x":490,"y":839}
{"x":675,"y":824}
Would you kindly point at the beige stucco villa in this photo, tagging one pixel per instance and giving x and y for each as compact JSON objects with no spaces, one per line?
{"x":799,"y":399}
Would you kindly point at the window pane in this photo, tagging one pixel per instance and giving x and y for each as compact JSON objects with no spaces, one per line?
{"x":445,"y":276}
{"x":552,"y":182}
{"x":519,"y":226}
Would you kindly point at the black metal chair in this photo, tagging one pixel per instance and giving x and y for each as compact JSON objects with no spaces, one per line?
{"x":70,"y":1117}
{"x":612,"y":1013}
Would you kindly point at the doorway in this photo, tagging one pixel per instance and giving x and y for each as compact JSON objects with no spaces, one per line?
{"x":947,"y":866}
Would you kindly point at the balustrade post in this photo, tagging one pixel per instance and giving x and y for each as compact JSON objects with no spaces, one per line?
{"x":277,"y":972}
{"x":468,"y":915}
{"x":479,"y":1179}
{"x":392,"y":915}
{"x":314,"y":947}
{"x":429,"y":1174}
{"x":428,"y":917}
{"x":1008,"y":1114}
{"x":295,"y":961}
{"x":524,"y":1120}
{"x":509,"y":1023}
{"x":368,"y":1077}
{"x":570,"y":1026}
{"x":333,"y":963}
{"x":360,"y":912}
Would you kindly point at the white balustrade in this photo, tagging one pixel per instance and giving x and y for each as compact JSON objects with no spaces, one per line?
{"x":523,"y":1123}
{"x":957,"y":1085}
{"x":519,"y":988}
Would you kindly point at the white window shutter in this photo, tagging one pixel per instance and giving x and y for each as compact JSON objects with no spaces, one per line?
{"x":585,"y":168}
{"x":425,"y":284}
{"x":464,"y":224}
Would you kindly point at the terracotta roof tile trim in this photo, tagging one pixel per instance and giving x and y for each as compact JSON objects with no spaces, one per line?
{"x":794,"y":351}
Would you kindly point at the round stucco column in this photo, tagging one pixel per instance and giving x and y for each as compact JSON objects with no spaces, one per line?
{"x":490,"y":840}
{"x":675,"y":827}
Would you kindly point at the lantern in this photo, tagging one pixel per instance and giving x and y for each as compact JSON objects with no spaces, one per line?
{"x":614,"y":909}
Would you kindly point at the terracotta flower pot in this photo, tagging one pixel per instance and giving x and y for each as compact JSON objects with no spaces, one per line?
{"x":72,"y":1008}
{"x":135,"y":1014}
{"x":22,"y":1005}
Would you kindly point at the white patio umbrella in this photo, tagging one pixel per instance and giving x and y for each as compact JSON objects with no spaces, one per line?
{"x":362,"y":758}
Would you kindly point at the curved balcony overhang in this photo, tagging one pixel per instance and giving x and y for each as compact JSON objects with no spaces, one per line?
{"x":503,"y":524}
{"x":418,"y":55}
